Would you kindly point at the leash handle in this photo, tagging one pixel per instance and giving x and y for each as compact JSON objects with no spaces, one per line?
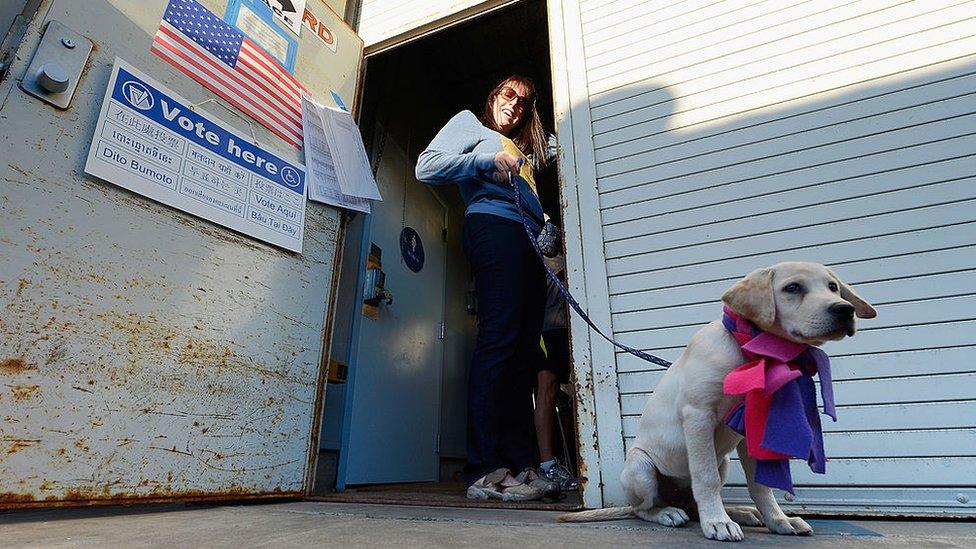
{"x":565,"y":292}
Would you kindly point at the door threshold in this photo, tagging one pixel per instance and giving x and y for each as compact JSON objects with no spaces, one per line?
{"x":439,"y":494}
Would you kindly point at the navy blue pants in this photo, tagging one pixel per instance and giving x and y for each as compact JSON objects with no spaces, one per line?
{"x":511,"y":287}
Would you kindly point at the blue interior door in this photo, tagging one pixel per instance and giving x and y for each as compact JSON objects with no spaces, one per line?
{"x":393,"y":416}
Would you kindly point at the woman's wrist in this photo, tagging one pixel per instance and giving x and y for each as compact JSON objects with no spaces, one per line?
{"x":485,"y":163}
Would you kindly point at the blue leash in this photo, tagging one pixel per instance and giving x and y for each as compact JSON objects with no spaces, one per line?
{"x":568,"y":296}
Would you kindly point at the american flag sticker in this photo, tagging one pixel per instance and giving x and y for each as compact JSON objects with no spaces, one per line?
{"x":212,"y":52}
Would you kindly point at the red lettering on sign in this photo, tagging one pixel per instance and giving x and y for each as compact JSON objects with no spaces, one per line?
{"x":325,"y":34}
{"x":319,"y":28}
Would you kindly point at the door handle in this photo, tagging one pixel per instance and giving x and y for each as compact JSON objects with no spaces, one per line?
{"x":375,"y":291}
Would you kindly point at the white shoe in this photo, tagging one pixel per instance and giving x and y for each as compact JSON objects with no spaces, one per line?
{"x":493,"y":486}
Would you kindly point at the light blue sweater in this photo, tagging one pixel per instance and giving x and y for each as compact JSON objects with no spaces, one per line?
{"x":463,"y":153}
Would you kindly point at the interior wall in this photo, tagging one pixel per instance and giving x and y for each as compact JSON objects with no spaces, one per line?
{"x":460,"y":332}
{"x":393,"y":108}
{"x":387,"y":101}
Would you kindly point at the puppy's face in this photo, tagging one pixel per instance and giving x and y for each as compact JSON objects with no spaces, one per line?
{"x":804,"y":302}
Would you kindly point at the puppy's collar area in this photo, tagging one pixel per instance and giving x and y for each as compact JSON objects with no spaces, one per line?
{"x":778,"y":416}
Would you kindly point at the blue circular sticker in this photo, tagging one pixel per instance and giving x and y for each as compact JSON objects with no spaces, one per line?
{"x":412,"y":249}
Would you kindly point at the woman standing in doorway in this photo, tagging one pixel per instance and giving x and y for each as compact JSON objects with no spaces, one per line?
{"x":480,"y":155}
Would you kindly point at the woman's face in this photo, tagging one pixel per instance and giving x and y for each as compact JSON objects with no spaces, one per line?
{"x":509,"y":107}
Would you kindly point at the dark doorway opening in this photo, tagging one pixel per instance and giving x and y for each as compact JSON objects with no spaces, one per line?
{"x":410,"y":91}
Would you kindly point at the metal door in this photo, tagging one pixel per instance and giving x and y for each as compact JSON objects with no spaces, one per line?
{"x":146,"y":354}
{"x":393,"y":405}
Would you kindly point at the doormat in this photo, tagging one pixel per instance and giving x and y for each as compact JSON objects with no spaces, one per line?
{"x":840,"y":528}
{"x":439,"y":494}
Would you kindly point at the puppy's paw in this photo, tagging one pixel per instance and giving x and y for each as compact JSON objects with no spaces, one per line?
{"x":789,"y":526}
{"x":669,"y":516}
{"x":746,"y":516}
{"x":800,"y":526}
{"x":721,"y":530}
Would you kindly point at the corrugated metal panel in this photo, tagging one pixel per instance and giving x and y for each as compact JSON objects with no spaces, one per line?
{"x":144,"y":353}
{"x":731,"y":135}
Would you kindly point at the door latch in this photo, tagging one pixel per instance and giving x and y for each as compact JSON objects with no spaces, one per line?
{"x":56,"y":67}
{"x":375,"y":291}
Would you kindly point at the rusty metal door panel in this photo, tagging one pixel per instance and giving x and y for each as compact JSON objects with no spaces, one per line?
{"x":144,"y":353}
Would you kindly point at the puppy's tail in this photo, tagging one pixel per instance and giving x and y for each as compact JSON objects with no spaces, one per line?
{"x":596,"y":515}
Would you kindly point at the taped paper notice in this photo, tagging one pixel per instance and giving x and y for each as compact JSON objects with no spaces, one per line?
{"x":323,"y":179}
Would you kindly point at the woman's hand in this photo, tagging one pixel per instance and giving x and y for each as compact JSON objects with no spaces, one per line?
{"x":505,"y":164}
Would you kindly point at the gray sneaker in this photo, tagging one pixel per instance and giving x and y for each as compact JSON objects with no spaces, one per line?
{"x":559,"y":474}
{"x":549,"y":488}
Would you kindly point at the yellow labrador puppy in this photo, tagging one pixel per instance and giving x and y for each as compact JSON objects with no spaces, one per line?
{"x":682,"y":440}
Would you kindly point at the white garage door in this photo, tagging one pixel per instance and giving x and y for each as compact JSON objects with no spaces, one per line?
{"x":731,"y":135}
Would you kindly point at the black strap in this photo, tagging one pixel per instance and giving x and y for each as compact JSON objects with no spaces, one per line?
{"x":568,"y":296}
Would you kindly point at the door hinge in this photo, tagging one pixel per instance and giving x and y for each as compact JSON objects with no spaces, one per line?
{"x":441,"y":334}
{"x":437,"y":443}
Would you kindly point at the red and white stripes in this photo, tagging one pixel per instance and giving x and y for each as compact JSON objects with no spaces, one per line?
{"x":257,"y":84}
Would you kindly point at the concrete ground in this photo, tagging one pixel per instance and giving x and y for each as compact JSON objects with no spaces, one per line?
{"x":314,"y":524}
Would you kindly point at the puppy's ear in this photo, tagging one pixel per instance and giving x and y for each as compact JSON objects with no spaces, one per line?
{"x":752,"y":297}
{"x":862,"y":308}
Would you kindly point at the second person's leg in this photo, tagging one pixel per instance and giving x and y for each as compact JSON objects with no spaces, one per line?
{"x":522,"y":447}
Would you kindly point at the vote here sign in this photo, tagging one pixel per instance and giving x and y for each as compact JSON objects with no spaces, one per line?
{"x":149,"y":141}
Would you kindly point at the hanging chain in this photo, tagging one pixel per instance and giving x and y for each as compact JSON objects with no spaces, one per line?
{"x":379,"y":152}
{"x":406,"y":178}
{"x":381,"y":146}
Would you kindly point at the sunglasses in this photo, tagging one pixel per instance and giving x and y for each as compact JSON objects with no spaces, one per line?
{"x":508,"y":94}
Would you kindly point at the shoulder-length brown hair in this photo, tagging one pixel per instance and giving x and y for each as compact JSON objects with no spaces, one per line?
{"x":528,"y":135}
